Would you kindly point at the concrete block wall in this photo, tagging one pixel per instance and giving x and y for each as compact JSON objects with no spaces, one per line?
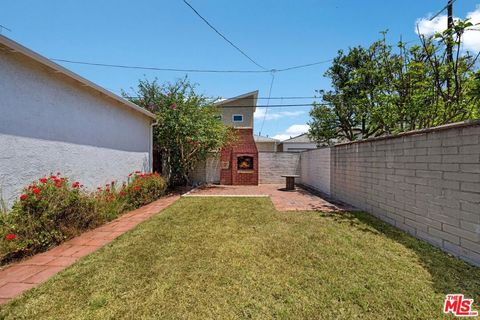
{"x":427,"y":184}
{"x":315,"y":169}
{"x":272,"y":165}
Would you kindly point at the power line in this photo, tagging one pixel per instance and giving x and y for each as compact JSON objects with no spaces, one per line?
{"x":281,"y":105}
{"x":156,"y":68}
{"x":443,"y":9}
{"x":123,"y":66}
{"x":224,"y":37}
{"x":268,"y":101}
{"x":304,"y":65}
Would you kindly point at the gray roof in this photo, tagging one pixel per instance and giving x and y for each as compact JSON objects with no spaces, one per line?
{"x":258,"y":138}
{"x":303,"y":138}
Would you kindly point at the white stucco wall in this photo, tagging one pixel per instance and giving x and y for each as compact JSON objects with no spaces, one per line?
{"x":50,"y":123}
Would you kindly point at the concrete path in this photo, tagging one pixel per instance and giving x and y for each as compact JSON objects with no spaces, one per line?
{"x":27,"y":274}
{"x":298,"y":199}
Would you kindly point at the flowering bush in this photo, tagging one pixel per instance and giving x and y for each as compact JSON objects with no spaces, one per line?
{"x":143,"y":188}
{"x":53,"y":209}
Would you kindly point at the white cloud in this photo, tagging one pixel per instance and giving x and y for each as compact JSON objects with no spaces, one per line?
{"x":260,"y":114}
{"x":471,"y":38}
{"x":292,"y":131}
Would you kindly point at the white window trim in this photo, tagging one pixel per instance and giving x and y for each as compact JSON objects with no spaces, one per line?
{"x":234,"y":115}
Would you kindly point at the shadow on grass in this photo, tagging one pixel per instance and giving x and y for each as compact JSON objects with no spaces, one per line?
{"x":449,"y":274}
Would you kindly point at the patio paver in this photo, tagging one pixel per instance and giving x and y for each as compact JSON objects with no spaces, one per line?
{"x":28,"y":273}
{"x":298,"y":199}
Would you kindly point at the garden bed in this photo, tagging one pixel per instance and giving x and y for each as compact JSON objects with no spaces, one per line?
{"x":53,"y":209}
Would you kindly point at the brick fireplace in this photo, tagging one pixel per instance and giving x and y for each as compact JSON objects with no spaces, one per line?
{"x":239,"y":162}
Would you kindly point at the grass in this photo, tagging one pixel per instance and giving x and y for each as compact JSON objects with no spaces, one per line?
{"x":238,"y":258}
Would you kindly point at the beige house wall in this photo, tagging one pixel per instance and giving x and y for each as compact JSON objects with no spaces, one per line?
{"x":266,"y":146}
{"x":243,"y":106}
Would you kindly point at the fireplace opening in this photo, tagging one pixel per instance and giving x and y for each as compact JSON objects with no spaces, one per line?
{"x":245,"y":163}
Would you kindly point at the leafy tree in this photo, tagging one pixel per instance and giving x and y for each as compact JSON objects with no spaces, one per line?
{"x":376,"y":91}
{"x":188,"y":127}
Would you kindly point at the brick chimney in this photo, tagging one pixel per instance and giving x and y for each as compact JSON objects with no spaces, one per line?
{"x":239,"y":162}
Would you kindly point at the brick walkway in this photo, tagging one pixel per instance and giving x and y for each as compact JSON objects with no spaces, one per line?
{"x":27,"y":274}
{"x":299,"y":199}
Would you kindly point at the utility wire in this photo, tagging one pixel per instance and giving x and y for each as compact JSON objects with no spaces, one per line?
{"x":282,"y":105}
{"x":122,"y":66}
{"x":224,"y":37}
{"x":268,"y":101}
{"x":158,"y":69}
{"x":304,"y":65}
{"x":440,"y":12}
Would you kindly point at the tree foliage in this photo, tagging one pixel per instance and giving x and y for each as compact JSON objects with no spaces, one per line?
{"x":188,"y":126}
{"x":377,"y":91}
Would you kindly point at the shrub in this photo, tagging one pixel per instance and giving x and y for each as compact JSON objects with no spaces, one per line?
{"x":143,"y":188}
{"x":53,"y":209}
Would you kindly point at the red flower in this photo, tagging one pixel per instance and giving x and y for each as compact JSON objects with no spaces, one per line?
{"x":137,"y":188}
{"x":36,"y":191}
{"x":10,"y":236}
{"x":53,"y":177}
{"x":76,"y":184}
{"x":173,"y":106}
{"x":43,"y":180}
{"x":122,"y":193}
{"x":137,"y":172}
{"x":24,"y":197}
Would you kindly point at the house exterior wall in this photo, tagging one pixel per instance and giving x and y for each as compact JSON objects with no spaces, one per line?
{"x":315,"y":169}
{"x":272,"y":165}
{"x":297,"y":146}
{"x":426,"y":183}
{"x":266,"y":146}
{"x":240,"y":106}
{"x":50,"y":123}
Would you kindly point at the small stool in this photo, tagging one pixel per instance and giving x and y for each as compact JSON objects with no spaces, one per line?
{"x":290,"y":181}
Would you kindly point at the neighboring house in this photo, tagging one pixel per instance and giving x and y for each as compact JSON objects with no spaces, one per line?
{"x":297,"y":144}
{"x":266,"y":144}
{"x":53,"y":120}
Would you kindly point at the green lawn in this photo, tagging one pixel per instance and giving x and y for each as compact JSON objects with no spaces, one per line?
{"x":239,"y":258}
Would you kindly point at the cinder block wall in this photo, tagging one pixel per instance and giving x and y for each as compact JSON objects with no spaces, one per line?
{"x":315,"y":169}
{"x":427,"y":184}
{"x":272,"y":165}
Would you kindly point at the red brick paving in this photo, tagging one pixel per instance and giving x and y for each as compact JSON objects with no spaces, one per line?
{"x":298,"y":199}
{"x":27,"y":274}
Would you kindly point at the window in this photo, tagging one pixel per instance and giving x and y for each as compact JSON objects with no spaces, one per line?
{"x":237,"y":118}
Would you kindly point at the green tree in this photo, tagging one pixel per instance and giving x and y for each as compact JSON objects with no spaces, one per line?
{"x":376,"y":91}
{"x":188,"y":126}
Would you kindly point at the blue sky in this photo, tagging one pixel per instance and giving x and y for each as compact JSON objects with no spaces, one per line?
{"x":275,"y":33}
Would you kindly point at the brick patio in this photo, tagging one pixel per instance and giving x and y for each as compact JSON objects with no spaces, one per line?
{"x":27,"y":274}
{"x":298,"y":199}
